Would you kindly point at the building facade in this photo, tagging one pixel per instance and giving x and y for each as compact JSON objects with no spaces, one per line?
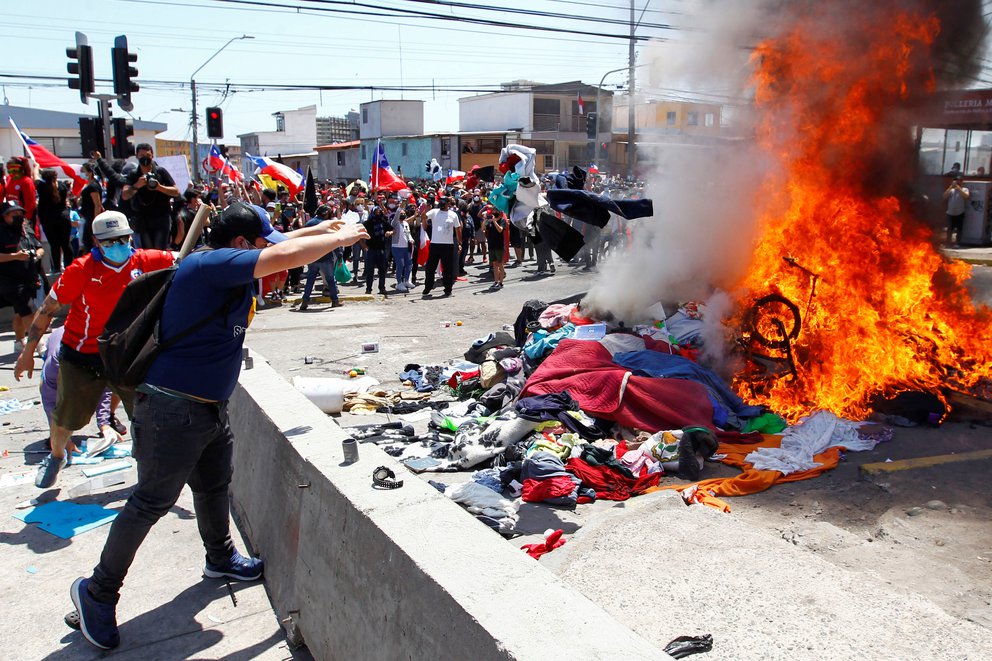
{"x":339,"y":162}
{"x":332,"y":130}
{"x":548,"y":118}
{"x":296,"y":133}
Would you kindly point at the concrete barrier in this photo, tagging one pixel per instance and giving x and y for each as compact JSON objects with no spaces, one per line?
{"x":362,"y":573}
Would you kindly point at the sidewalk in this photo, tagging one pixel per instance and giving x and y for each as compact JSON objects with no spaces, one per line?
{"x":167,"y":609}
{"x":978,"y":255}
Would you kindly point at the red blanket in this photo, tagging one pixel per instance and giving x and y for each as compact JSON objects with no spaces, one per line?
{"x":587,"y":371}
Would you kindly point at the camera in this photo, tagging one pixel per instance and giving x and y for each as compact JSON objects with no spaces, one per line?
{"x":151,"y":181}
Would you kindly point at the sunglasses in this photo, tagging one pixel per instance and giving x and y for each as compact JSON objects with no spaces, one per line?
{"x":119,"y":241}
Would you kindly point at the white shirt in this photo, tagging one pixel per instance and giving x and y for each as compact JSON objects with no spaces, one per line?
{"x":443,"y":224}
{"x":401,"y":233}
{"x":956,"y":202}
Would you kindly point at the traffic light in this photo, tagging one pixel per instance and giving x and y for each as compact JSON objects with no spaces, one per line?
{"x":124,"y":73}
{"x":591,"y":125}
{"x":215,"y":123}
{"x":122,"y":129}
{"x":91,"y":135}
{"x":81,"y":67}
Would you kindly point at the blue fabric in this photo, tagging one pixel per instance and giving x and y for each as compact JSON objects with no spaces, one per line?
{"x":541,"y":342}
{"x":417,"y":378}
{"x":206,"y":364}
{"x":663,"y":365}
{"x":325,"y":269}
{"x":403,"y":262}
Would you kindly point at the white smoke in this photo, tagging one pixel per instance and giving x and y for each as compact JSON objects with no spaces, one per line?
{"x":703,"y":194}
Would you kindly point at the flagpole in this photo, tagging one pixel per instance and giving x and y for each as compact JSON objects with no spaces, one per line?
{"x":20,"y":136}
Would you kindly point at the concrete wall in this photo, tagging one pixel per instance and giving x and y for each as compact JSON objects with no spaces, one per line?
{"x":328,"y":168}
{"x":390,"y":118}
{"x":399,"y":574}
{"x":495,"y":112}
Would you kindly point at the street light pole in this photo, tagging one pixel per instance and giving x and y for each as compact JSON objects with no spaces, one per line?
{"x":192,"y":86}
{"x":599,"y":112}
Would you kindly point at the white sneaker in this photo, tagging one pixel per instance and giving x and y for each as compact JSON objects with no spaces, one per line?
{"x":401,"y":286}
{"x":409,"y":285}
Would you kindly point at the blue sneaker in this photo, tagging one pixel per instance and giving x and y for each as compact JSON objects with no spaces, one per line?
{"x":238,"y":567}
{"x":97,"y":621}
{"x":48,"y":471}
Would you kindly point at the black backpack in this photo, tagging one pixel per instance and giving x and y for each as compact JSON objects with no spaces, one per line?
{"x":130,"y":340}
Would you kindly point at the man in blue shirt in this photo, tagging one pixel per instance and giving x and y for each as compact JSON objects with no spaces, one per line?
{"x":180,"y":421}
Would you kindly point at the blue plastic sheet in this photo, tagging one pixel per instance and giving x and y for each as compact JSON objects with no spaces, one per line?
{"x":65,"y":519}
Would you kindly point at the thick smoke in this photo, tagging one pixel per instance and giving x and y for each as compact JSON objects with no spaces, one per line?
{"x":700,"y":237}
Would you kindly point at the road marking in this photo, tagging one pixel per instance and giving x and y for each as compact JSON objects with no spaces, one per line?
{"x":924,"y":462}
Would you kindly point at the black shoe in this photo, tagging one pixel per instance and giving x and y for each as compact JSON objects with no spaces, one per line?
{"x":303,"y":305}
{"x":446,"y":294}
{"x":384,"y":292}
{"x":426,"y":291}
{"x":368,"y":291}
{"x":336,"y":304}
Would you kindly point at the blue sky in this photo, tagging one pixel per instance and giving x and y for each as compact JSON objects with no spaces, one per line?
{"x":174,"y":37}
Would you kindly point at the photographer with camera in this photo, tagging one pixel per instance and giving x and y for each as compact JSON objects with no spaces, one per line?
{"x":150,"y":189}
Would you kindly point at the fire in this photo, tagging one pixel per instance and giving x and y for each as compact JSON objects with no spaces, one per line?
{"x":882,"y":311}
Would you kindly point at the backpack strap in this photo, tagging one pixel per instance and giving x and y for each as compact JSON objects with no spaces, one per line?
{"x":222,"y":310}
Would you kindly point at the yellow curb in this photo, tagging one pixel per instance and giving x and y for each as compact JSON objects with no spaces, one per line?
{"x":924,"y":462}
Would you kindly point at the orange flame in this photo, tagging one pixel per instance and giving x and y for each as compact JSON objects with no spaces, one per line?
{"x":888,"y":312}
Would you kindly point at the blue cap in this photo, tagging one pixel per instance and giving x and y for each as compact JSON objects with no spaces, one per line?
{"x":269,"y":233}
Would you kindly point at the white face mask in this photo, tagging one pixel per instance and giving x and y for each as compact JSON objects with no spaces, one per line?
{"x":390,"y":206}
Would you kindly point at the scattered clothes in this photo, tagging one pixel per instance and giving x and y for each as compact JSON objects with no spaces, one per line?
{"x":608,"y":482}
{"x":65,"y":519}
{"x":594,"y":209}
{"x":545,"y":479}
{"x":494,"y":510}
{"x":477,"y":352}
{"x":813,"y":435}
{"x":561,"y":407}
{"x":605,"y":390}
{"x":542,"y":342}
{"x":684,"y":646}
{"x":530,"y":312}
{"x":559,"y":446}
{"x":686,"y":326}
{"x":489,"y":478}
{"x":663,"y":365}
{"x":555,"y":316}
{"x":766,"y":423}
{"x":552,"y":540}
{"x":621,"y":343}
{"x":477,"y":442}
{"x":573,"y":180}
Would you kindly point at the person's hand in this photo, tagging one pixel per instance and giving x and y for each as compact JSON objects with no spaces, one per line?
{"x":95,"y":154}
{"x":21,"y":256}
{"x":111,"y":436}
{"x":330,"y":225}
{"x":25,"y":363}
{"x":352,"y":233}
{"x":140,"y":183}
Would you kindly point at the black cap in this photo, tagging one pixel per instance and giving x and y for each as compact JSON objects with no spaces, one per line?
{"x":9,"y":206}
{"x":239,"y":219}
{"x":322,"y":211}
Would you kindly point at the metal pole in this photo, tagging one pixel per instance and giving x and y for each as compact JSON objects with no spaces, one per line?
{"x":194,"y":157}
{"x":631,"y":95}
{"x":105,"y":116}
{"x":599,"y":113}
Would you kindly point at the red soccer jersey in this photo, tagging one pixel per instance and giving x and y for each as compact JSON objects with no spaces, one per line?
{"x":92,"y":289}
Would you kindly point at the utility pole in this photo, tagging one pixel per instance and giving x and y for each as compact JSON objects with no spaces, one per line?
{"x":631,"y":95}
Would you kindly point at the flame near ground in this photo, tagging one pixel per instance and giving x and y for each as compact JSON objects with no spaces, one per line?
{"x":889,"y":312}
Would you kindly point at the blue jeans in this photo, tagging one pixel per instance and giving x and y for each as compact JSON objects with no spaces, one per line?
{"x":176,"y":442}
{"x":326,"y":270}
{"x":404,"y":262}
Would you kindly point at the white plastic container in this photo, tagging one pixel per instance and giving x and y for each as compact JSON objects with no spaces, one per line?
{"x":326,"y":393}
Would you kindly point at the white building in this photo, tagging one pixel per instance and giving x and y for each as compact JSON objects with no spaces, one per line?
{"x":58,"y":132}
{"x":296,"y":133}
{"x":386,"y":118}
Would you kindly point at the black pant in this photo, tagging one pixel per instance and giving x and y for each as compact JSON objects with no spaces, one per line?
{"x":176,"y":442}
{"x":375,"y":258}
{"x":154,"y":234}
{"x":463,"y":253}
{"x":443,"y":254}
{"x":544,"y":256}
{"x":57,"y":230}
{"x":954,"y":225}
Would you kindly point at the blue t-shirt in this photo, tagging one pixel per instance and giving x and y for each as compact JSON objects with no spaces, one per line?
{"x":205,"y":364}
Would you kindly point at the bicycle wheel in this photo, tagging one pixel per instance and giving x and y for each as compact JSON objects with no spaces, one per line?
{"x":769,"y":316}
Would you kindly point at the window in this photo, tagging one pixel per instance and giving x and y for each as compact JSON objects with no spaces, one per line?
{"x":549,"y":161}
{"x":445,"y":146}
{"x":364,"y":156}
{"x":693,"y":119}
{"x":955,"y":143}
{"x":590,"y":106}
{"x":670,"y":118}
{"x":67,"y":148}
{"x":341,"y":159}
{"x":979,"y":152}
{"x":708,"y":119}
{"x":489,"y":146}
{"x":547,"y":107}
{"x":578,"y":155}
{"x":402,"y":149}
{"x":365,"y":119}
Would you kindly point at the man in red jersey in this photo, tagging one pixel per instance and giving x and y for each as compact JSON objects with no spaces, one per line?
{"x":91,"y":287}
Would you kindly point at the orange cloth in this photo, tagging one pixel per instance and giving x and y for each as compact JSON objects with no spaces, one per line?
{"x":750,"y":480}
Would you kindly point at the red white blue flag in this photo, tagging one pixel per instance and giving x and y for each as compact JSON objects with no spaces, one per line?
{"x":382,"y":176}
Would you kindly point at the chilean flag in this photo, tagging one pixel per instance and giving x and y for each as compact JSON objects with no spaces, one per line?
{"x":216,"y":162}
{"x":425,"y":246}
{"x":382,"y":176}
{"x":278,"y":172}
{"x":593,"y":169}
{"x":46,"y":159}
{"x":453,"y":176}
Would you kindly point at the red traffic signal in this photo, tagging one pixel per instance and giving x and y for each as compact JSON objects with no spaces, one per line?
{"x":215,"y":123}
